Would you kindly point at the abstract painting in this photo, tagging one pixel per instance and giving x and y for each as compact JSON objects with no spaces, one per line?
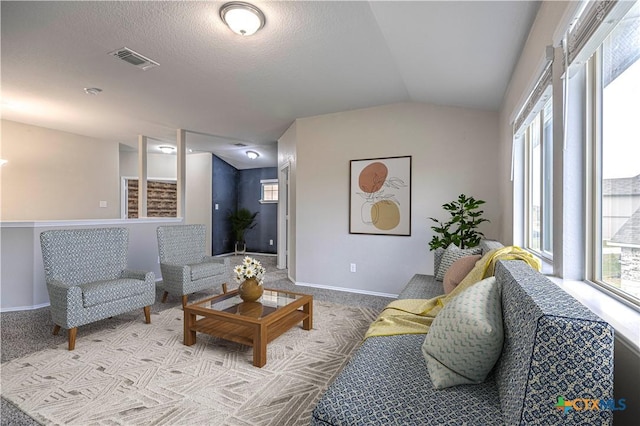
{"x":380,"y":196}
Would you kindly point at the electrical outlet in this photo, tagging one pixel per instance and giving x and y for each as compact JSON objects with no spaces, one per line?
{"x":353,"y":267}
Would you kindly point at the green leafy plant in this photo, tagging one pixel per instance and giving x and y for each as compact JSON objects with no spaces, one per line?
{"x":461,"y":228}
{"x":241,"y":221}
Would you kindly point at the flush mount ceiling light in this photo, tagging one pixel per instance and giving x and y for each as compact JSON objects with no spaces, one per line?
{"x":92,"y":90}
{"x":252,"y":155}
{"x":243,"y":18}
{"x":166,"y":149}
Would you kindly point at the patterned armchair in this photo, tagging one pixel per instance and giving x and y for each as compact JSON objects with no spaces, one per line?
{"x":184,"y":264}
{"x":87,"y":277}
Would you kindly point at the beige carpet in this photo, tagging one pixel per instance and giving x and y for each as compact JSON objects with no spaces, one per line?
{"x":141,"y":374}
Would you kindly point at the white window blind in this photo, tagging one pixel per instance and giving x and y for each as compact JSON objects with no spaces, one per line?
{"x":594,"y":23}
{"x":535,"y":102}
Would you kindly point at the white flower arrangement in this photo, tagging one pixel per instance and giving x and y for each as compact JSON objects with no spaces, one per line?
{"x":250,"y":268}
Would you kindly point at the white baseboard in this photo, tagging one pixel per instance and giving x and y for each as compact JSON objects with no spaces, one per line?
{"x":24,"y":308}
{"x":347,"y":290}
{"x":245,"y":254}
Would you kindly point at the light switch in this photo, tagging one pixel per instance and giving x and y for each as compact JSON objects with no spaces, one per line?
{"x":103,"y":204}
{"x":216,"y":206}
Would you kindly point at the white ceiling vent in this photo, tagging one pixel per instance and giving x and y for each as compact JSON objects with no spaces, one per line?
{"x":134,"y":58}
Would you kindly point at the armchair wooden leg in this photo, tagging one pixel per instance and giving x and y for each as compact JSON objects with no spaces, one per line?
{"x":184,"y":300}
{"x":164,"y":296}
{"x":224,"y":287}
{"x":72,"y":338}
{"x":56,"y":329}
{"x":147,"y":314}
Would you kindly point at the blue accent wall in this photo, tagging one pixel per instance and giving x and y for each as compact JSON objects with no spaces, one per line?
{"x":235,"y":189}
{"x":249,"y":193}
{"x":225,"y":195}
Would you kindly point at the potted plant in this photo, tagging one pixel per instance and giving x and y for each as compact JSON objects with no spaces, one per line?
{"x":461,"y":228}
{"x":241,"y":220}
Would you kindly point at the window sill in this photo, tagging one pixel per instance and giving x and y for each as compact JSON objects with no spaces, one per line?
{"x":623,"y":318}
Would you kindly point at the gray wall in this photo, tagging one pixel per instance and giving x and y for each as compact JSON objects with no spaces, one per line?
{"x":453,"y":152}
{"x":22,"y":270}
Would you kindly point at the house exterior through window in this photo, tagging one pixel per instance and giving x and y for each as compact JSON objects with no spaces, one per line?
{"x":615,"y":79}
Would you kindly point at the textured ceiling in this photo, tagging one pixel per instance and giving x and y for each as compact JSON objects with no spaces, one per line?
{"x":311,"y":58}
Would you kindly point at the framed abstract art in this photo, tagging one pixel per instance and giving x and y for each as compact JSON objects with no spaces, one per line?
{"x":380,"y":196}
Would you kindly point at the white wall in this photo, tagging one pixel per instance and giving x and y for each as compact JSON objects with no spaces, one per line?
{"x":199,"y":192}
{"x":53,"y":175}
{"x":159,"y":166}
{"x":454,"y":151}
{"x":287,"y":155}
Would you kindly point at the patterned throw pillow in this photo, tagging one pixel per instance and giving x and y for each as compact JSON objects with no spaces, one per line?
{"x":465,"y":339}
{"x":458,"y":271}
{"x":451,"y":254}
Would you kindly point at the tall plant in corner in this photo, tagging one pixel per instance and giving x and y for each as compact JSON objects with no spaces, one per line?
{"x":461,"y":228}
{"x":241,"y":221}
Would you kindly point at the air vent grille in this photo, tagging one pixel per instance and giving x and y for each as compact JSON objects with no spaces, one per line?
{"x":134,"y":58}
{"x":240,"y":144}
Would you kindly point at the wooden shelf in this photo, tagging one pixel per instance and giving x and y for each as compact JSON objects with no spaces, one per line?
{"x":244,"y":334}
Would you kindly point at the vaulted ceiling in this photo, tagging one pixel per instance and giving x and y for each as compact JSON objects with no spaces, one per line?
{"x":311,"y":58}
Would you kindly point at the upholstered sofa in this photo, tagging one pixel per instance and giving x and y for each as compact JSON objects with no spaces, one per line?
{"x":554,"y":348}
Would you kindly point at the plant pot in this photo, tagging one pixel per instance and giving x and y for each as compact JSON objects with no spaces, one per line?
{"x":240,"y":248}
{"x":250,"y":290}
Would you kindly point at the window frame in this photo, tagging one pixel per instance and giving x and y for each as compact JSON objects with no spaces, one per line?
{"x":546,"y":147}
{"x":264,"y":183}
{"x":594,"y":177}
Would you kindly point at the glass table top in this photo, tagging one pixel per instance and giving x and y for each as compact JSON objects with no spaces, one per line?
{"x":270,"y":301}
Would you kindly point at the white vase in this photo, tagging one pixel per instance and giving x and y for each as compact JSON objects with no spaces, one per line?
{"x":240,"y":248}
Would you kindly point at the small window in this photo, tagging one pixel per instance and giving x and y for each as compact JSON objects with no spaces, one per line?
{"x":269,"y":191}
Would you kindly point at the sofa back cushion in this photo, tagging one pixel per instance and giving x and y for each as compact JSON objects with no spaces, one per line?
{"x":80,"y":256}
{"x":553,"y":347}
{"x":487,"y":245}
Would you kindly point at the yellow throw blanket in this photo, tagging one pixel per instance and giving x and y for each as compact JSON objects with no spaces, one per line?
{"x":414,"y":316}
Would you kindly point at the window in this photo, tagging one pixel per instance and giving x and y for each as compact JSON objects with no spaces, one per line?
{"x":269,"y":191}
{"x":615,"y":159}
{"x":538,"y":182}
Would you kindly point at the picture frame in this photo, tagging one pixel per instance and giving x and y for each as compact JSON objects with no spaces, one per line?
{"x":380,"y":196}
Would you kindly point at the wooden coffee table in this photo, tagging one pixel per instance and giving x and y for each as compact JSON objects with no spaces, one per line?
{"x":248,"y":323}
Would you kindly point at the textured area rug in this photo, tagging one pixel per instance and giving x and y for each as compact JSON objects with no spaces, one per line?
{"x":141,"y":374}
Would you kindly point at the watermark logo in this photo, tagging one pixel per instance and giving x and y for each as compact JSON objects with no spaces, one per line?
{"x":588,"y":404}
